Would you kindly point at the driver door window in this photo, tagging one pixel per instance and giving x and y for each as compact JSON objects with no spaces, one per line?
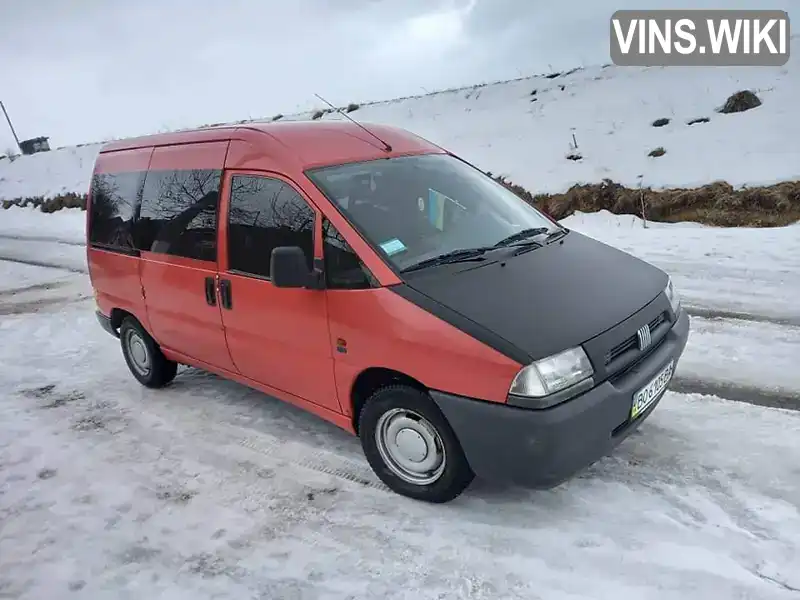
{"x":266,"y":213}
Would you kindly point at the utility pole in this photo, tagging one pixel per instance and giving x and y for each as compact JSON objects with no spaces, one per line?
{"x":11,"y":126}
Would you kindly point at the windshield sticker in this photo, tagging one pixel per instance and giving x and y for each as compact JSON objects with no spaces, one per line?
{"x":393,"y":246}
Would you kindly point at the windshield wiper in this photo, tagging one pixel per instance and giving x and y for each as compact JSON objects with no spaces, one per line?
{"x":553,"y":235}
{"x":454,"y":256}
{"x":527,"y":245}
{"x":521,"y":235}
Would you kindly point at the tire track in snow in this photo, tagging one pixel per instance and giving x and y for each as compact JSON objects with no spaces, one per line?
{"x":322,"y":461}
{"x":33,"y":288}
{"x":736,"y":393}
{"x":41,"y":263}
{"x":297,"y":454}
{"x":40,"y":238}
{"x":31,"y":306}
{"x":255,"y":443}
{"x":713,"y":313}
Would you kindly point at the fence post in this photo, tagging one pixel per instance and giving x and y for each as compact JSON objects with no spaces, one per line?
{"x":5,"y":112}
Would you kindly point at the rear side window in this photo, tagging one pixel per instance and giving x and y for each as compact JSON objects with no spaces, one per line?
{"x":179,"y":213}
{"x":266,"y":213}
{"x":114,"y":204}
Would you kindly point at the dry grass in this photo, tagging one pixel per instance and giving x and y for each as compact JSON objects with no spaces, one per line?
{"x":714,"y":204}
{"x":49,"y":205}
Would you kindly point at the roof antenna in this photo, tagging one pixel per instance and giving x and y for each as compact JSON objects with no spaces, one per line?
{"x":386,"y":146}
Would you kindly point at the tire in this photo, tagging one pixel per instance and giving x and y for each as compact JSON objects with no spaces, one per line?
{"x":143,"y":356}
{"x":403,"y":413}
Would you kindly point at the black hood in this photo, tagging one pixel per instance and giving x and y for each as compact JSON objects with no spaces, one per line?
{"x":542,"y":301}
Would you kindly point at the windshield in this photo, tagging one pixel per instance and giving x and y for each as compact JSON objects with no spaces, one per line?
{"x":417,"y":207}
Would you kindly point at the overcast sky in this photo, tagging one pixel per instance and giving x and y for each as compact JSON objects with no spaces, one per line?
{"x":86,"y":70}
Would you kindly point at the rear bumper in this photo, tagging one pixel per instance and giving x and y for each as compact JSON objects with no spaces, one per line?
{"x":543,"y":448}
{"x":105,"y":323}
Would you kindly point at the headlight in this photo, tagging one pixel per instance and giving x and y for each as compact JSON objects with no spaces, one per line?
{"x":673,"y":296}
{"x":552,"y":374}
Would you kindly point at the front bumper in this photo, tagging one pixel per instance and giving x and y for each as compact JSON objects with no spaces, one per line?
{"x":543,"y":448}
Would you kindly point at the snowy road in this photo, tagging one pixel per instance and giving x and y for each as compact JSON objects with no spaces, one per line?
{"x":208,"y":489}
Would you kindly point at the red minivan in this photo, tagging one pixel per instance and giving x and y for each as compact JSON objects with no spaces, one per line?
{"x":380,"y":282}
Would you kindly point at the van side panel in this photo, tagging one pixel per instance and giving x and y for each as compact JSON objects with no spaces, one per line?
{"x":181,"y":317}
{"x":382,"y":329}
{"x":114,"y":273}
{"x":116,"y":282}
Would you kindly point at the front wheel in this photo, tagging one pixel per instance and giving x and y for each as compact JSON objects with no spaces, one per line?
{"x":411,"y":447}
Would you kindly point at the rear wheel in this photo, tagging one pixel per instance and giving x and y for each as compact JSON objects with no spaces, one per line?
{"x":411,"y":447}
{"x":145,"y":359}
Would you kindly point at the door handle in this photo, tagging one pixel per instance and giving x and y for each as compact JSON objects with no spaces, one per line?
{"x":225,"y":293}
{"x":211,"y":296}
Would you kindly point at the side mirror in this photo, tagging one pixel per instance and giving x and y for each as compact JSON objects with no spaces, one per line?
{"x":288,"y":267}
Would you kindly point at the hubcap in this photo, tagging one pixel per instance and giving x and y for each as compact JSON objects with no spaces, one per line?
{"x":138,"y":353}
{"x":410,"y":446}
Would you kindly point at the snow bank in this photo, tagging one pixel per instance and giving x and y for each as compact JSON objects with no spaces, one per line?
{"x":48,"y":174}
{"x":508,"y":129}
{"x":67,"y":225}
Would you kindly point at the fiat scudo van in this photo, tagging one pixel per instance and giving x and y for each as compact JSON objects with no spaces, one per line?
{"x":380,"y":282}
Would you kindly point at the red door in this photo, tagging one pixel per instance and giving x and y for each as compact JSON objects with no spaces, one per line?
{"x":276,"y":337}
{"x":177,"y":231}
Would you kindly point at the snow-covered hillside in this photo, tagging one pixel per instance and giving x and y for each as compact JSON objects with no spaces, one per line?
{"x":524,"y":129}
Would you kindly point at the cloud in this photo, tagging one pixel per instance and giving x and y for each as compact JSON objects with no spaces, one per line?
{"x":89,"y":70}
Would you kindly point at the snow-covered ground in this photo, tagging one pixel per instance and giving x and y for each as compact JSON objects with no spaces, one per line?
{"x":506,"y":128}
{"x":208,"y":489}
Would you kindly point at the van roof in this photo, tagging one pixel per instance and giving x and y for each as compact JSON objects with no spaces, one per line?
{"x":314,"y":143}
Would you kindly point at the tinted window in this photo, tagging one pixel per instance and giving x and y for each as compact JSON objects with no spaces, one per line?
{"x":417,"y":207}
{"x":343,"y":268}
{"x":179,"y":213}
{"x":264,"y":214}
{"x":115,"y":198}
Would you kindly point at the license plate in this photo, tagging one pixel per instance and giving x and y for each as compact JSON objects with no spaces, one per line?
{"x":649,"y":393}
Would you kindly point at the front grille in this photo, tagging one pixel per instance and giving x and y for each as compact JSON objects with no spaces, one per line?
{"x":632,"y":342}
